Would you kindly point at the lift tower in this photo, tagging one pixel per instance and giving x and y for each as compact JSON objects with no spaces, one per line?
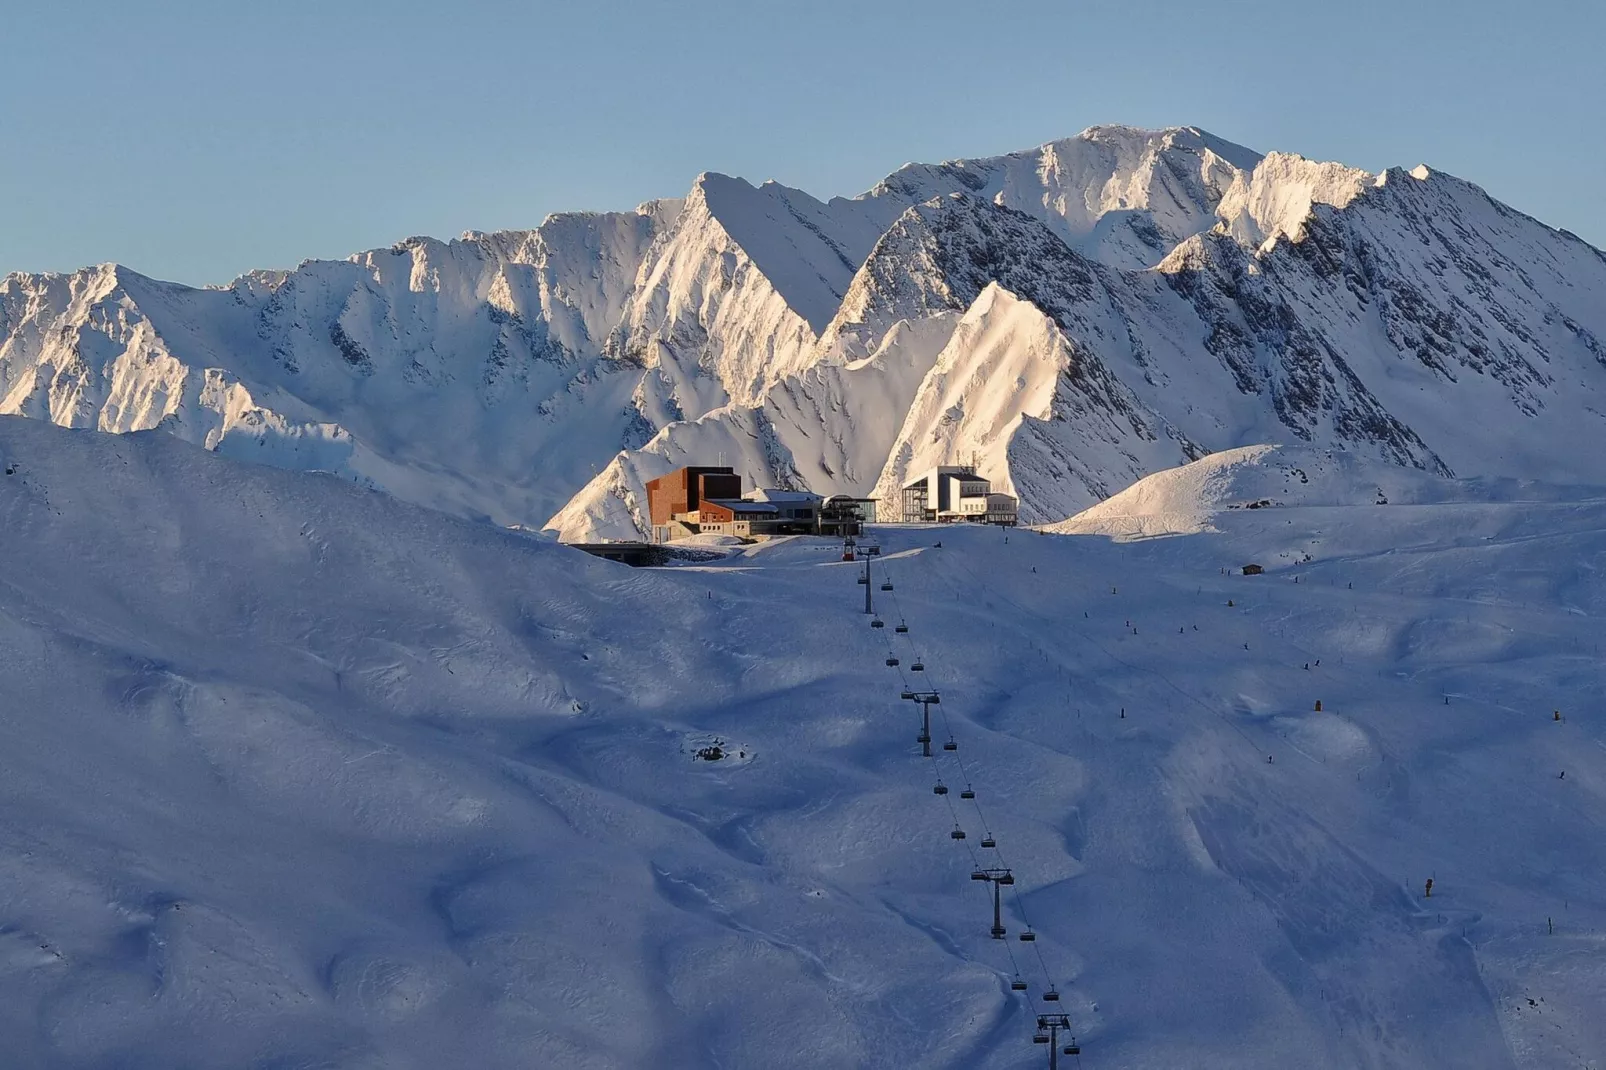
{"x":927,"y":699}
{"x":1049,"y":1027}
{"x":998,"y":878}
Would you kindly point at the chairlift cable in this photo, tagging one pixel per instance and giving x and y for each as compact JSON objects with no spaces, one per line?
{"x":1020,"y":907}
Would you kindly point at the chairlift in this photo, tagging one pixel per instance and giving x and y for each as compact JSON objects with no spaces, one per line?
{"x":877,"y":623}
{"x":1051,"y":996}
{"x":891,"y":662}
{"x":940,"y":789}
{"x":1028,"y":937}
{"x":979,"y":875}
{"x":950,"y":745}
{"x":957,"y":834}
{"x":902,"y":629}
{"x":862,"y":580}
{"x":917,"y":667}
{"x":907,"y":695}
{"x":922,"y":739}
{"x":1039,"y":1038}
{"x":1017,"y":985}
{"x":988,"y":841}
{"x":1007,"y":878}
{"x":1073,"y":1048}
{"x":887,"y":586}
{"x":967,"y":794}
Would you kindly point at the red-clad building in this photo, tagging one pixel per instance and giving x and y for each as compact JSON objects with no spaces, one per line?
{"x":684,"y":489}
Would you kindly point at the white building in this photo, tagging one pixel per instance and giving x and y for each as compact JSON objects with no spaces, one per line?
{"x":950,"y":493}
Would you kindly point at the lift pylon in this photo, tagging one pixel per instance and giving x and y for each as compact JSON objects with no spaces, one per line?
{"x":997,"y":878}
{"x":1049,"y":1028}
{"x":927,"y":699}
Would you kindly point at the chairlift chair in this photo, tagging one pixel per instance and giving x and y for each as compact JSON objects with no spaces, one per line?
{"x":1007,"y":879}
{"x":988,"y":841}
{"x":917,"y":667}
{"x":891,"y":662}
{"x":1073,"y":1048}
{"x":940,"y":789}
{"x":1039,"y":1038}
{"x":1017,"y":985}
{"x":901,"y":629}
{"x":950,"y":745}
{"x":967,"y":794}
{"x":957,"y":834}
{"x":877,"y":623}
{"x":1051,"y":996}
{"x":907,"y":695}
{"x":1028,"y":937}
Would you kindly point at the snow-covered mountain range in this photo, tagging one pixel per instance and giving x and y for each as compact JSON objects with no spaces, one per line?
{"x":1074,"y":317}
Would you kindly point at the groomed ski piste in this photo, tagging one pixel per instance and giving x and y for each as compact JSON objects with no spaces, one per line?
{"x":297,"y":775}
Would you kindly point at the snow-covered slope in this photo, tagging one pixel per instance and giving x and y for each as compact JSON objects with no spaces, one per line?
{"x":295,"y":774}
{"x":1189,"y":499}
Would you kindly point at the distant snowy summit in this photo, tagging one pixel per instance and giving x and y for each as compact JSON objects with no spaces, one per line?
{"x":1072,"y":317}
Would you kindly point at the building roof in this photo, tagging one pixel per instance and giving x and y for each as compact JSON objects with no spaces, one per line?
{"x":763,"y":495}
{"x":962,"y":471}
{"x":740,"y":507}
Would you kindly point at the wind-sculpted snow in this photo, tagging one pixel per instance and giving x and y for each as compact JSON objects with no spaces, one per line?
{"x":1207,"y":297}
{"x":299,"y":775}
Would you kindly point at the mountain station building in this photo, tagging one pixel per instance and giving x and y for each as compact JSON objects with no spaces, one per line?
{"x":955,"y":493}
{"x":705,"y":499}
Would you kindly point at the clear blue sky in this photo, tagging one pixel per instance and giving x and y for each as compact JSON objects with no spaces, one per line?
{"x":193,"y":141}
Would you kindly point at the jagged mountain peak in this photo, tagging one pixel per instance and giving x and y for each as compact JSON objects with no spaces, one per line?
{"x":938,"y":256}
{"x":1119,"y":194}
{"x":1188,"y":138}
{"x":1276,"y":197}
{"x":804,"y":247}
